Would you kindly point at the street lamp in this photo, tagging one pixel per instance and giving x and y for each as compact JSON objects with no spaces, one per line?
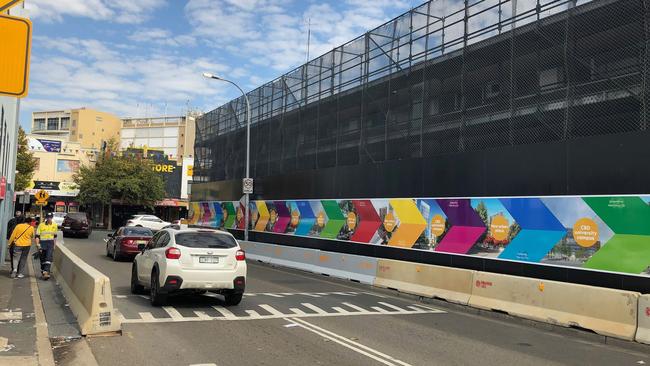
{"x":248,"y":147}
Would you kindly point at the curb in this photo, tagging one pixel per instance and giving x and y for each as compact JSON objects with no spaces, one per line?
{"x":43,"y":346}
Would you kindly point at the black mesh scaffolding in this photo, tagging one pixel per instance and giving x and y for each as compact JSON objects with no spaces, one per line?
{"x":446,"y":77}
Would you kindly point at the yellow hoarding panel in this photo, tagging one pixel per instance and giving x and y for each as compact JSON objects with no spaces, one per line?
{"x":15,"y":45}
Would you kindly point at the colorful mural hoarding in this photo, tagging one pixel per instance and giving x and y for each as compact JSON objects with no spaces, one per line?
{"x":609,"y":233}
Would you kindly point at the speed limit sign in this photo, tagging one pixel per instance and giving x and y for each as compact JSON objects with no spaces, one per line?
{"x":248,"y":185}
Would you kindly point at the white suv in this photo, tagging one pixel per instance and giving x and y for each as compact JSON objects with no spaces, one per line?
{"x":191,"y":260}
{"x":149,"y":221}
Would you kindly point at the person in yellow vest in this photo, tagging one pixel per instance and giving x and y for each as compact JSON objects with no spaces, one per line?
{"x":45,"y":237}
{"x":21,"y":242}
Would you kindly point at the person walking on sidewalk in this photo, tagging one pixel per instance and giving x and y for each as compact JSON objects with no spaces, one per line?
{"x":21,"y":240}
{"x":45,"y":237}
{"x":10,"y":229}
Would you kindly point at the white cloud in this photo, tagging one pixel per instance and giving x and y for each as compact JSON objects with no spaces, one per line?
{"x":122,"y":83}
{"x":162,"y":37}
{"x":269,"y":33}
{"x":120,"y":11}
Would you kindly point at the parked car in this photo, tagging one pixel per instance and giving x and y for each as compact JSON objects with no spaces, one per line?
{"x":190,"y":260}
{"x":150,"y":221}
{"x":76,"y":223}
{"x":125,"y":240}
{"x":58,"y":218}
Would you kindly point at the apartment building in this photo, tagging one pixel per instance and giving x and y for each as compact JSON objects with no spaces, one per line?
{"x":86,"y":126}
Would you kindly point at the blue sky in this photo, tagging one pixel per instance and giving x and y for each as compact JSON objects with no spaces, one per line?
{"x":145,"y":57}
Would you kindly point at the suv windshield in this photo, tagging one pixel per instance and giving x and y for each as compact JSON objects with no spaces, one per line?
{"x":143,"y":231}
{"x":77,"y":216}
{"x":205,"y":240}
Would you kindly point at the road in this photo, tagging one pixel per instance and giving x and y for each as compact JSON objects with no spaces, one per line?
{"x":290,"y":317}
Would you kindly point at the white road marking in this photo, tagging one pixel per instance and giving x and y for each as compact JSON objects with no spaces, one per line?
{"x":144,"y":297}
{"x":314,"y":308}
{"x":272,"y":295}
{"x":339,"y":310}
{"x":381,"y":310}
{"x":253,"y":314}
{"x":11,"y":315}
{"x":173,"y":313}
{"x":428,"y":308}
{"x":120,"y":296}
{"x":355,"y":346}
{"x":297,"y":311}
{"x":308,"y":294}
{"x":397,"y":308}
{"x":225,"y":312}
{"x":271,"y":309}
{"x":357,"y":308}
{"x":4,"y":342}
{"x":203,"y":315}
{"x":147,"y":316}
{"x":203,"y":364}
{"x":343,"y":293}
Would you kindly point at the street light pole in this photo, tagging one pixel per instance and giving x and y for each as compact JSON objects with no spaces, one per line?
{"x":248,"y":147}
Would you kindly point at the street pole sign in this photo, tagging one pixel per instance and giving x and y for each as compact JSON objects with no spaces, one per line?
{"x":248,"y":185}
{"x":41,"y":197}
{"x":15,"y":48}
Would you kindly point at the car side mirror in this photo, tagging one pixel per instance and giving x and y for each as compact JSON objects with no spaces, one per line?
{"x":142,"y":247}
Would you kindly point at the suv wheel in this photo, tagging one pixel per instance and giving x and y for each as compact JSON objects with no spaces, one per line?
{"x":233,"y":299}
{"x":136,"y":287}
{"x":157,"y":299}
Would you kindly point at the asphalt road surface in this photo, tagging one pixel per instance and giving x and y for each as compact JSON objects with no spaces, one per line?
{"x":291,"y":317}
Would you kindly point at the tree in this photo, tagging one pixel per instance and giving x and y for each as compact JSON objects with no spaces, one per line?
{"x":481,"y":210}
{"x":25,"y":162}
{"x":124,"y":177}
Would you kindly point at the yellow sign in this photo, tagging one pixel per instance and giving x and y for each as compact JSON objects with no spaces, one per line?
{"x":438,"y":225}
{"x":6,"y":4}
{"x":585,"y":232}
{"x":389,"y":222}
{"x":15,"y":48}
{"x":499,"y":227}
{"x":352,"y":220}
{"x":42,"y":196}
{"x":164,"y":168}
{"x":40,"y":203}
{"x":190,"y":170}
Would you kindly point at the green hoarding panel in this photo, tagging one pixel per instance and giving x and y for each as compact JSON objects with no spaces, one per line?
{"x":335,"y":222}
{"x":622,"y":253}
{"x":230,"y":220}
{"x":624,"y":215}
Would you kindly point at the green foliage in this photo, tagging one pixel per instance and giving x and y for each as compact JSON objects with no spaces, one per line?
{"x":126,"y":178}
{"x":25,"y":162}
{"x":482,"y":212}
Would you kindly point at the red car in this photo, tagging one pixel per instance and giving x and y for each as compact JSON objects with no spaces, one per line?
{"x":125,"y":240}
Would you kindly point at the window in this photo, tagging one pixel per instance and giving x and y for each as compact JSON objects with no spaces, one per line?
{"x":39,"y":123}
{"x":141,"y":231}
{"x":162,"y":241}
{"x":52,"y":124}
{"x":65,"y":123}
{"x":205,"y":240}
{"x":74,"y":123}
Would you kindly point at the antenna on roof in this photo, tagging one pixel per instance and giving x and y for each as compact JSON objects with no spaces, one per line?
{"x":308,"y":36}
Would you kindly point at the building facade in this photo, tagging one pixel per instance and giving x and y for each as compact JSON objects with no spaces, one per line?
{"x":172,"y":135}
{"x":86,"y":126}
{"x":9,"y":112}
{"x":452,"y":100}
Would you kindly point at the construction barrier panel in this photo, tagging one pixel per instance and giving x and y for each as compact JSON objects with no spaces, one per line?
{"x":605,"y":311}
{"x":451,"y":284}
{"x":87,"y":291}
{"x":643,"y":330}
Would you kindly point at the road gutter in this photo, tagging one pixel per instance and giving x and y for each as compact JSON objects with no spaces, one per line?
{"x":43,"y":346}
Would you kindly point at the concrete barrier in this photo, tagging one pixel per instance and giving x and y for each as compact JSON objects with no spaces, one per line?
{"x":605,"y":311}
{"x":451,"y":284}
{"x":643,"y":329}
{"x":347,"y":266}
{"x":87,"y":291}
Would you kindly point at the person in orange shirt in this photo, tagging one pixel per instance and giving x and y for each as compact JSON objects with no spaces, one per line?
{"x":21,"y":241}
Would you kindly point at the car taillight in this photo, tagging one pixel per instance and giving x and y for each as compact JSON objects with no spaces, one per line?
{"x":240,"y":255}
{"x":173,"y":253}
{"x":127,"y":241}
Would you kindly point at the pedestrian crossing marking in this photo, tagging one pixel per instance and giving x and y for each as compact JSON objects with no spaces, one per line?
{"x":314,"y":308}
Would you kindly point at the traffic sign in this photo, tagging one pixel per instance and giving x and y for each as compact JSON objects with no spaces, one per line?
{"x":247,"y":185}
{"x":15,"y":48}
{"x":42,"y":196}
{"x":6,"y":4}
{"x":40,"y":203}
{"x":25,"y":198}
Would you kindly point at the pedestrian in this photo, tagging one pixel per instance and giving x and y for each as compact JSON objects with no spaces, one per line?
{"x":45,"y":237}
{"x":21,"y":240}
{"x":10,"y":228}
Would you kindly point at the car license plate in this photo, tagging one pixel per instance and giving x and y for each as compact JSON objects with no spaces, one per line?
{"x":141,"y":242}
{"x":208,"y":259}
{"x":66,"y":227}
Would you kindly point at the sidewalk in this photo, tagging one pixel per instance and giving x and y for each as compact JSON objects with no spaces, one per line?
{"x":23,"y":328}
